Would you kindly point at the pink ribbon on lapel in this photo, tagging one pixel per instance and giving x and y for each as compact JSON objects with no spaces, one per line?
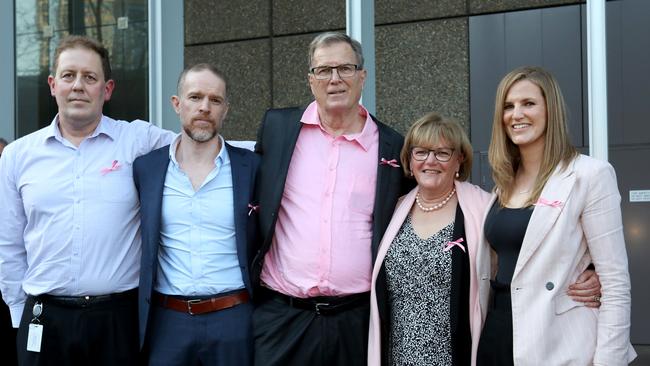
{"x":391,"y":162}
{"x":544,"y":202}
{"x":454,"y":243}
{"x":253,"y":208}
{"x":113,"y":168}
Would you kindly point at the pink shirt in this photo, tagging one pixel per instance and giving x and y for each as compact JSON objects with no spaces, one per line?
{"x":321,"y":245}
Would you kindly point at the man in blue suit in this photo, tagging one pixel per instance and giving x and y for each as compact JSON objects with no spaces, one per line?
{"x":198,"y":229}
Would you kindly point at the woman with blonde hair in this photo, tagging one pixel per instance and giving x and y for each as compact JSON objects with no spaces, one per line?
{"x":555,"y":212}
{"x":424,"y":293}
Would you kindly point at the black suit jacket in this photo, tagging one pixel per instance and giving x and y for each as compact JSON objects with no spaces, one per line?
{"x":149,"y":176}
{"x":276,"y":141}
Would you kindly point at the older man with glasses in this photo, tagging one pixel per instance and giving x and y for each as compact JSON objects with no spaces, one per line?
{"x":329,"y":182}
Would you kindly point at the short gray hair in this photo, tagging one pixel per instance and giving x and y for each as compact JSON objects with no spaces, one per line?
{"x":329,"y":38}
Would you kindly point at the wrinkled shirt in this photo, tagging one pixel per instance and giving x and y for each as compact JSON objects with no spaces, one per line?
{"x":322,"y":240}
{"x":70,"y":215}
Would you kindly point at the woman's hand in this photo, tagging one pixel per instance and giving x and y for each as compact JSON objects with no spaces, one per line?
{"x":586,"y":289}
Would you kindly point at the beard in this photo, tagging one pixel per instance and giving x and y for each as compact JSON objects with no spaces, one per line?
{"x":199,"y":134}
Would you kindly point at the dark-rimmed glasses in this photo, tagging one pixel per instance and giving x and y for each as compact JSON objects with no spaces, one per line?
{"x":325,"y":72}
{"x":442,"y":155}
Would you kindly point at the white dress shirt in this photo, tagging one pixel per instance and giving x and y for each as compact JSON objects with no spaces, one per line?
{"x":198,"y":250}
{"x":70,"y":215}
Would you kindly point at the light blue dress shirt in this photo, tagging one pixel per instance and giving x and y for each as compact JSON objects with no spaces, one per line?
{"x":198,"y":251}
{"x":70,"y":215}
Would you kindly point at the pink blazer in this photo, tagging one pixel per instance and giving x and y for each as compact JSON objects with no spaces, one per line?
{"x":578,"y":222}
{"x":473,"y":201}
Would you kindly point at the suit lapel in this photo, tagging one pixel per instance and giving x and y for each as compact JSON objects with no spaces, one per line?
{"x":388,"y":151}
{"x":288,"y":144}
{"x":240,"y":168}
{"x":292,"y":132}
{"x":558,"y":189}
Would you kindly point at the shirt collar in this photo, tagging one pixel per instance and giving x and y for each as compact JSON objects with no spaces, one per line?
{"x":365,"y":138}
{"x":221,"y":158}
{"x":104,"y":127}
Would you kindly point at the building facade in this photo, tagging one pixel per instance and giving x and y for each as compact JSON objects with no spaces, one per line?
{"x":443,"y":55}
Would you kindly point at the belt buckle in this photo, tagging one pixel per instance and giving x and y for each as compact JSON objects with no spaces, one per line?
{"x":189,"y":305}
{"x":317,"y":306}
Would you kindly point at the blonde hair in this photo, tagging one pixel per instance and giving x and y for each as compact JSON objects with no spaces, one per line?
{"x":504,"y":155}
{"x":428,"y":131}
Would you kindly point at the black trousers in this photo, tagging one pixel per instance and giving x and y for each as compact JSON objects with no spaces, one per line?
{"x":7,"y":337}
{"x":289,"y":336}
{"x":495,"y":346}
{"x":102,"y":333}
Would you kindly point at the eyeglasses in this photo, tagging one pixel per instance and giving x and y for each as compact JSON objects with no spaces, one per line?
{"x":325,"y":72}
{"x":442,"y":155}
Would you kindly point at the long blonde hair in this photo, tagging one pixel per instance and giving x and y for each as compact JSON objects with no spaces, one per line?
{"x":504,"y":155}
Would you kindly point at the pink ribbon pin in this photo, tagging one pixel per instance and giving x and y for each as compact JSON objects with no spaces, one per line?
{"x":454,"y":243}
{"x":391,"y":162}
{"x":113,"y":168}
{"x":253,"y":208}
{"x":545,"y":202}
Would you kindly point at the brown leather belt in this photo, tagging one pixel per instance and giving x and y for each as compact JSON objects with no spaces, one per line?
{"x":201,"y":306}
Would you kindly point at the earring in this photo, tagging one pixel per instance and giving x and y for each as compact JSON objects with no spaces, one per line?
{"x":457,"y":175}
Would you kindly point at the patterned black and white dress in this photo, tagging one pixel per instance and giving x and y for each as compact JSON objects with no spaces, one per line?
{"x":419,"y":283}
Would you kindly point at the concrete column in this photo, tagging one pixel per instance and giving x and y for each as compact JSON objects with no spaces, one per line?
{"x":166,"y":42}
{"x":360,"y":25}
{"x":597,"y":78}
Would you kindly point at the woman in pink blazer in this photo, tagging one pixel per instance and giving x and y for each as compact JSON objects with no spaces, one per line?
{"x":554,"y":212}
{"x":424,"y":293}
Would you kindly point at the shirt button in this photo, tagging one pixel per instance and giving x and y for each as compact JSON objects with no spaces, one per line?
{"x":549,"y":286}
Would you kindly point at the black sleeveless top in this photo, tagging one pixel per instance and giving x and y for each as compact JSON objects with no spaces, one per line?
{"x":505,"y":229}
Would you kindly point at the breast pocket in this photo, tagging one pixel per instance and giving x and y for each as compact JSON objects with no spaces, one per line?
{"x":117,"y":187}
{"x":362,"y":195}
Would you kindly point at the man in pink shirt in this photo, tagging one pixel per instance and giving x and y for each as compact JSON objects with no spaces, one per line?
{"x":329,"y":182}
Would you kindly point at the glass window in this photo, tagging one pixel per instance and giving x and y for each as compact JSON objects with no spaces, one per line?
{"x":121,"y":25}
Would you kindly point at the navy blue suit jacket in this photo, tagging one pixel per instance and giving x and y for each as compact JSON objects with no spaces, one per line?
{"x":149,"y":173}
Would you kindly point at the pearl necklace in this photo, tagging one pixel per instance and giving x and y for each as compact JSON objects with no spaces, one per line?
{"x":437,"y":206}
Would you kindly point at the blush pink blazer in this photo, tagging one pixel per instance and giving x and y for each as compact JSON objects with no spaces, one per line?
{"x":578,"y":222}
{"x":474,"y":202}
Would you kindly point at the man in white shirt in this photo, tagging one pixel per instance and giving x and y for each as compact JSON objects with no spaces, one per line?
{"x":70,"y":243}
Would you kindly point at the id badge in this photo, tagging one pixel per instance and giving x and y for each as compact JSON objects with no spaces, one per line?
{"x":34,"y":337}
